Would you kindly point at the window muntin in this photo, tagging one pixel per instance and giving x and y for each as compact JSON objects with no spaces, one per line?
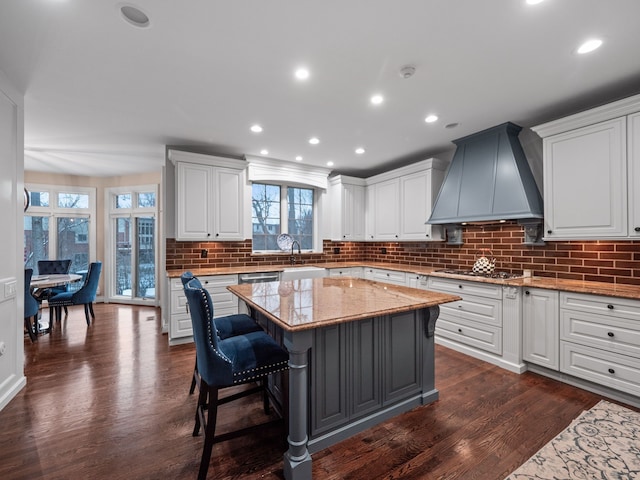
{"x":282,"y":209}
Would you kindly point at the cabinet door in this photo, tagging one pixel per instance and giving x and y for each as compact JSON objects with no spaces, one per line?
{"x":353,"y":212}
{"x":386,"y":210}
{"x":329,"y":371}
{"x":585,"y":184}
{"x":193,"y":201}
{"x":415,"y":207}
{"x":633,"y":122}
{"x":402,"y":356}
{"x":365,"y":375}
{"x":541,"y":329}
{"x":228,"y":208}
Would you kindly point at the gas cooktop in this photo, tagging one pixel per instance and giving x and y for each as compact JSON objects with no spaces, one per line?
{"x":470,"y":273}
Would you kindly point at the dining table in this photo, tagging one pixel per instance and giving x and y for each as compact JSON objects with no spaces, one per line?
{"x":41,"y":282}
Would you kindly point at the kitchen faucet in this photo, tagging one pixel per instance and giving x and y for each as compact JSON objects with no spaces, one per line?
{"x":293,"y":259}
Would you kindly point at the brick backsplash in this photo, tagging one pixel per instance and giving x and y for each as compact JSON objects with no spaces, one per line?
{"x":603,"y":261}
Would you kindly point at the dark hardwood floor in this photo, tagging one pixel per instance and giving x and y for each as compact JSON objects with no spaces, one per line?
{"x":111,"y":402}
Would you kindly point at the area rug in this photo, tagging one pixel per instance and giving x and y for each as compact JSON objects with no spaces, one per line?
{"x":602,"y":443}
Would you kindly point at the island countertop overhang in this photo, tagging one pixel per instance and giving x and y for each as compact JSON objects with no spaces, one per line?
{"x":317,"y":302}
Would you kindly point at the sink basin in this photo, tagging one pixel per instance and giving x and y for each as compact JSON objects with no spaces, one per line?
{"x":295,"y":273}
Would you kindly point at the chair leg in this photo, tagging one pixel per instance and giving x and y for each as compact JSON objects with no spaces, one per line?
{"x":86,"y":313}
{"x":209,"y":432}
{"x":265,"y":396}
{"x":200,"y":407}
{"x":66,"y":312}
{"x":93,"y":315}
{"x":28,"y":323}
{"x":193,"y":378}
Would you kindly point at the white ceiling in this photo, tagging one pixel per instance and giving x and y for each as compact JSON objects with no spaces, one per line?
{"x":104,"y":98}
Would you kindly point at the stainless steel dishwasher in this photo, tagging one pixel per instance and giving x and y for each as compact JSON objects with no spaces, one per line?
{"x":258,"y":277}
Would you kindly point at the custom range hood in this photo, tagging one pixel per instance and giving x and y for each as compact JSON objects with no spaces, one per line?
{"x":489,"y":180}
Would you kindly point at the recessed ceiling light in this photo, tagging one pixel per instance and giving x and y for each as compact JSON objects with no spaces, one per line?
{"x":256,"y":128}
{"x":134,"y":16}
{"x":589,"y":46}
{"x":329,"y":163}
{"x":359,"y":150}
{"x":302,"y":74}
{"x":314,"y":141}
{"x":264,"y":151}
{"x":377,"y":99}
{"x":299,"y":158}
{"x":534,"y":2}
{"x":431,"y":118}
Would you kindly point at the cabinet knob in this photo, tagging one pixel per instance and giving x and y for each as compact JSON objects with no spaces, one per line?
{"x":208,"y":234}
{"x":426,"y":235}
{"x":459,"y":286}
{"x":549,"y":232}
{"x":344,"y":236}
{"x":610,"y":307}
{"x":217,"y":234}
{"x":396,"y":236}
{"x":610,"y":334}
{"x":611,"y":371}
{"x":637,"y":229}
{"x":527,"y":292}
{"x":459,"y":330}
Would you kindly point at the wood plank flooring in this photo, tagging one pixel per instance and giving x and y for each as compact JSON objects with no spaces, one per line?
{"x":111,"y":402}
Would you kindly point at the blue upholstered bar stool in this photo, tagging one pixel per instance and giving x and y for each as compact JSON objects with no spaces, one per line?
{"x":227,"y":326}
{"x":225,"y":363}
{"x":86,"y":295}
{"x":31,"y":307}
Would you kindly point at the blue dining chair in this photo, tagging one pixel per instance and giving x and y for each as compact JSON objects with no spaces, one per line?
{"x":31,"y":307}
{"x":227,"y":326}
{"x":86,"y":295}
{"x":54,"y":267}
{"x":236,"y":360}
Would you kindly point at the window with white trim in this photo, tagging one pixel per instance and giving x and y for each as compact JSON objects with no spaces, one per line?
{"x":280,"y":209}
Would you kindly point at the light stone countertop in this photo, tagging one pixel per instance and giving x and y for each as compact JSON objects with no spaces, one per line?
{"x":576,"y":286}
{"x":318,"y":302}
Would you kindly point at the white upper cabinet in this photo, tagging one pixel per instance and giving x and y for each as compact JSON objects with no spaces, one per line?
{"x":347,"y":195}
{"x":591,"y":173}
{"x":399,"y":202}
{"x":209,"y":197}
{"x":418,"y":194}
{"x":633,"y":159}
{"x":585,"y":182}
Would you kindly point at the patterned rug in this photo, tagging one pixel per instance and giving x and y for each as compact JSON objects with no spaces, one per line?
{"x":602,"y":443}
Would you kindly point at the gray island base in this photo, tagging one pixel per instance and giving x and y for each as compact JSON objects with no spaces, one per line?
{"x":360,"y":353}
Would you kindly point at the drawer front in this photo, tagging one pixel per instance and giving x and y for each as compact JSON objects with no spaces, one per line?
{"x":606,"y":307}
{"x":462,"y":287}
{"x":615,"y":334}
{"x":475,"y":309}
{"x":390,"y":276}
{"x":612,"y":370}
{"x":178,"y":302}
{"x":181,"y":326}
{"x":484,"y":337}
{"x":176,"y":284}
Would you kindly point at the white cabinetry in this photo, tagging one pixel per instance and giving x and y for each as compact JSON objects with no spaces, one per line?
{"x":209,"y":197}
{"x":600,"y":340}
{"x":541,"y":327}
{"x":386,"y":276}
{"x":356,"y":272}
{"x":400,"y":201}
{"x":224,"y":302}
{"x":347,"y":196}
{"x":591,"y":173}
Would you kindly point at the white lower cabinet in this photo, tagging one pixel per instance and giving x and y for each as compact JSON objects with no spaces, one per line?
{"x":540,"y":327}
{"x":600,"y":340}
{"x":224,"y":303}
{"x":386,"y":276}
{"x":357,"y":272}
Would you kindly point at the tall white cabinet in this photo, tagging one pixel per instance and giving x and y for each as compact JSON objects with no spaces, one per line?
{"x":591,"y":173}
{"x":209,"y":203}
{"x":347,"y":195}
{"x":400,"y":201}
{"x":540,"y":327}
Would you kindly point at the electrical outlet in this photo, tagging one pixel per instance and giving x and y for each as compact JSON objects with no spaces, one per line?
{"x":203,"y":253}
{"x":383,"y":250}
{"x":336,"y":250}
{"x":10,"y":289}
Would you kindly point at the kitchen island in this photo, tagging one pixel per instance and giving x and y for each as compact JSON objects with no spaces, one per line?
{"x":360,"y":352}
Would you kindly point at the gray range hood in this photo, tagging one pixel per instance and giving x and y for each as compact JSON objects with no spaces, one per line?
{"x":489,"y":180}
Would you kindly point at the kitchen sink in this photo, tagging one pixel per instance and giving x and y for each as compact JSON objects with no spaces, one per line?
{"x":295,"y":273}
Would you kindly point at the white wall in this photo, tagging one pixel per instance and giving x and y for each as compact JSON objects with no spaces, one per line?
{"x":11,"y":255}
